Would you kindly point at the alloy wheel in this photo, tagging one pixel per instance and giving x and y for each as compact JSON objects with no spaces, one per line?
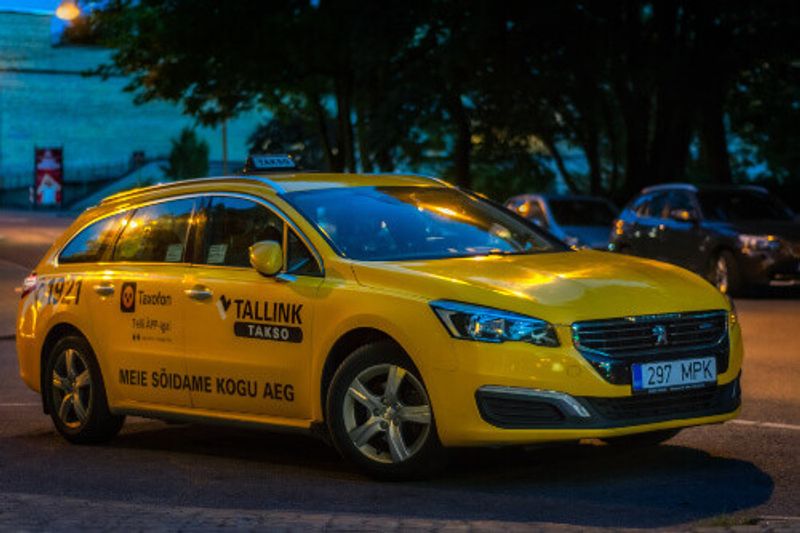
{"x":387,"y":413}
{"x":721,"y":274}
{"x":72,"y":388}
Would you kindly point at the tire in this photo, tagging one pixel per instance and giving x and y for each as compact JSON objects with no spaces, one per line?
{"x":642,"y":440}
{"x":75,"y":395}
{"x":725,"y":274}
{"x":365,"y":416}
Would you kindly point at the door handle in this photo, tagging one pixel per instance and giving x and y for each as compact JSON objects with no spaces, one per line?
{"x":199,"y":293}
{"x":104,"y":289}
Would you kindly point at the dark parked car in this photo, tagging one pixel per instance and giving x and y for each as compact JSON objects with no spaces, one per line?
{"x":581,"y":221}
{"x":736,"y":236}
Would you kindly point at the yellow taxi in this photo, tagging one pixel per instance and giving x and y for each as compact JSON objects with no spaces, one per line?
{"x":395,"y":315}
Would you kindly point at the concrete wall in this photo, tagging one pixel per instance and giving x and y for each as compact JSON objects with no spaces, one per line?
{"x":45,"y":101}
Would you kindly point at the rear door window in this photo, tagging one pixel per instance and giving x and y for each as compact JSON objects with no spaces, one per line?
{"x":232,"y":226}
{"x":656,"y":206}
{"x":640,"y":205}
{"x":679,"y":200}
{"x":536,"y":214}
{"x":156,"y":233}
{"x":90,"y":245}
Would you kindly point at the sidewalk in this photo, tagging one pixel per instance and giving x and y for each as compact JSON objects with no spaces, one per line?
{"x":11,"y":276}
{"x":28,"y":512}
{"x":24,"y":238}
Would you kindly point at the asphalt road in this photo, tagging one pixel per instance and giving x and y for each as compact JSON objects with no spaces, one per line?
{"x":195,"y":477}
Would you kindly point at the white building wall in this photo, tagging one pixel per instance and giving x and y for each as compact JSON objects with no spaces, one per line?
{"x":46,"y":101}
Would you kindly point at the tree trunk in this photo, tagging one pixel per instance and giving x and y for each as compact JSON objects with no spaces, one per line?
{"x":565,"y":174}
{"x":633,"y":92}
{"x":591,"y":147}
{"x":384,"y":161}
{"x":345,"y":123}
{"x":462,"y":150}
{"x":225,"y":146}
{"x":713,"y":138}
{"x":331,"y":159}
{"x":712,"y":81}
{"x":674,"y":83}
{"x":637,"y":171}
{"x":613,"y":145}
{"x":364,"y":153}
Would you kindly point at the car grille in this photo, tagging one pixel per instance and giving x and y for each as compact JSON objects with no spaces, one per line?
{"x":637,"y":335}
{"x":612,"y":345}
{"x":683,"y":404}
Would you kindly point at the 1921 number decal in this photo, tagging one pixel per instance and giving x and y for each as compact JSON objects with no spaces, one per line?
{"x":61,"y":291}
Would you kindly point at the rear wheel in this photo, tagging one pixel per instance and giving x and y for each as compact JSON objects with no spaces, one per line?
{"x":380,"y":416}
{"x":75,"y":394}
{"x":642,"y":440}
{"x":725,"y":274}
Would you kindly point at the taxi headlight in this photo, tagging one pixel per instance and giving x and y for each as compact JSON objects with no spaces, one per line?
{"x":472,"y":322}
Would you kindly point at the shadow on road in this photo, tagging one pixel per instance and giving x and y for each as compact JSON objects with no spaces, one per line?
{"x":772,"y":293}
{"x":221,"y":468}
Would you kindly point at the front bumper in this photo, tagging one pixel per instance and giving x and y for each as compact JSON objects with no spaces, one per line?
{"x":559,"y":387}
{"x":518,"y":408}
{"x":777,"y":269}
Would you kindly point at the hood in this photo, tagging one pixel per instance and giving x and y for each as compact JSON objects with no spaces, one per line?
{"x":787,"y":229}
{"x":559,"y":287}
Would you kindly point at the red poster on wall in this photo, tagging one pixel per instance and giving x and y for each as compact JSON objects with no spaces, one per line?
{"x":49,"y":176}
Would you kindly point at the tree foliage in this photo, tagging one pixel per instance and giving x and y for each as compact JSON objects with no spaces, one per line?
{"x":188,"y":157}
{"x":500,"y":96}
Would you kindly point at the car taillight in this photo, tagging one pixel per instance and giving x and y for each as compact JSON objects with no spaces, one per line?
{"x":29,"y":284}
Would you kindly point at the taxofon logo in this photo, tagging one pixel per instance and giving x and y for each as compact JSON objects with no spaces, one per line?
{"x":127,"y":298}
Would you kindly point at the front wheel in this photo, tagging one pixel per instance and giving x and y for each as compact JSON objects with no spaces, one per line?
{"x":725,"y":274}
{"x":380,"y":417}
{"x":75,"y":394}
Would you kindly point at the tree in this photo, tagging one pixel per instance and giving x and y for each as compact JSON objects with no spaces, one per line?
{"x":188,"y":157}
{"x":487,"y":92}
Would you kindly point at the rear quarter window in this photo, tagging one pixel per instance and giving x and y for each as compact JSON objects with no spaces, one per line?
{"x":91,"y":243}
{"x":156,"y":233}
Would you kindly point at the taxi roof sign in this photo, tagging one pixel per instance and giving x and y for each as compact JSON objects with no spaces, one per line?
{"x":269,"y":163}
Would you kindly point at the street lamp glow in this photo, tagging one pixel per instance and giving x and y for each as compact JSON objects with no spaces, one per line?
{"x":68,"y":10}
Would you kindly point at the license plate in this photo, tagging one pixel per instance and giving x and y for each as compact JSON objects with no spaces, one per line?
{"x":671,"y":375}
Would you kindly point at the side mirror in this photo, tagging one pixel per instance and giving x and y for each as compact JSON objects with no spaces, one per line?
{"x":682,"y":215}
{"x":266,"y":257}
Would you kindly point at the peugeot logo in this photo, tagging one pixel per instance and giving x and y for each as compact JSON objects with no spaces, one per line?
{"x":660,"y":333}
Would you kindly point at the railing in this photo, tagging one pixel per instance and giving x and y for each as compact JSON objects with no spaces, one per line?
{"x":83,"y":174}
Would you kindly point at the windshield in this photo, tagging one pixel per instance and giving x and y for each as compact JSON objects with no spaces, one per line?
{"x":402,"y":223}
{"x":568,"y":212}
{"x":735,"y":206}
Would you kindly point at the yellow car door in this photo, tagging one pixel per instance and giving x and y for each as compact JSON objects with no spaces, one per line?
{"x":138,"y":307}
{"x":248,"y":336}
